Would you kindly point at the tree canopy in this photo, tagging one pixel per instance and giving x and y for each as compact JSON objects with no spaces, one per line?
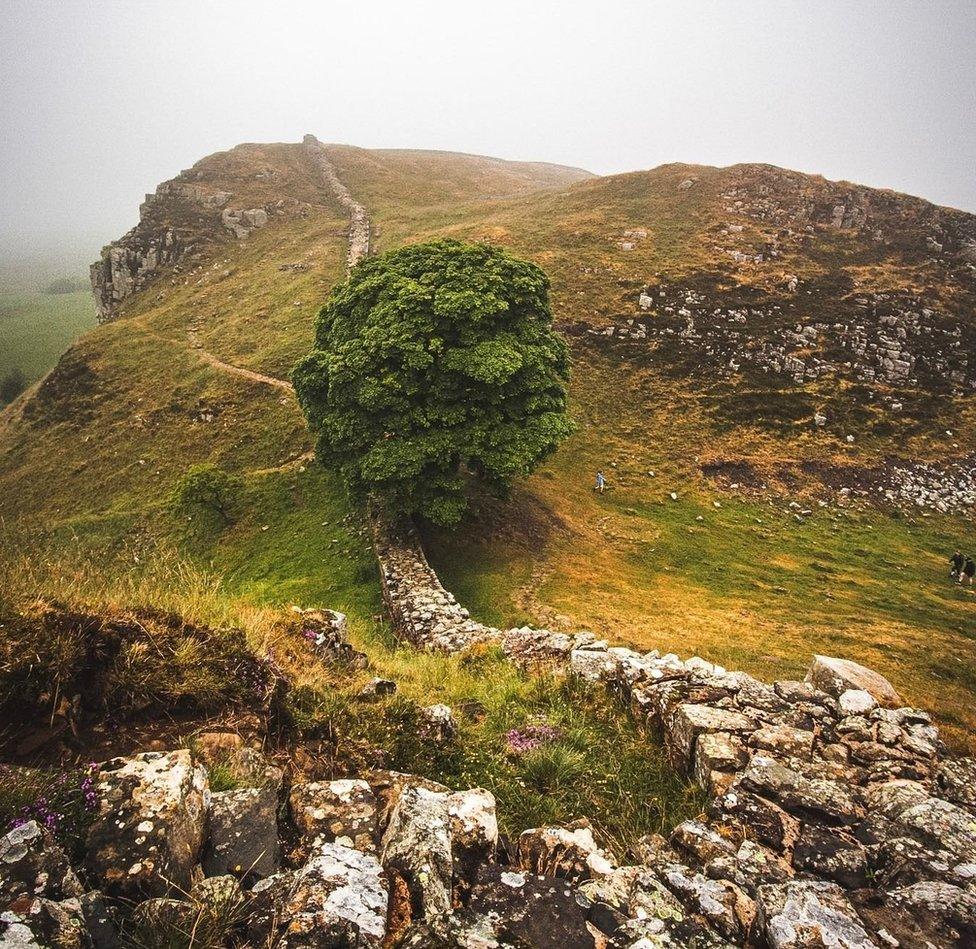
{"x":434,"y":364}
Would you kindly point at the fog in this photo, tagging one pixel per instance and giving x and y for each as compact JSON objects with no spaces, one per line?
{"x":102,"y":100}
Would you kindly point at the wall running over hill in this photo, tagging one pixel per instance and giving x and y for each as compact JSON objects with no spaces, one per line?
{"x":831,"y":804}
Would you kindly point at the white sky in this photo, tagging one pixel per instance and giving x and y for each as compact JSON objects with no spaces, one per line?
{"x":102,"y":100}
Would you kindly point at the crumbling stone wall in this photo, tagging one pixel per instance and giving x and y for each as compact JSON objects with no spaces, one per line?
{"x":834,"y":809}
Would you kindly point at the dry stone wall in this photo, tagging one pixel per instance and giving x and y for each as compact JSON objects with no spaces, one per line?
{"x":836,"y":816}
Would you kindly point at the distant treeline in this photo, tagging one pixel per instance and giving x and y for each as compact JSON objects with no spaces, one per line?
{"x":67,"y":285}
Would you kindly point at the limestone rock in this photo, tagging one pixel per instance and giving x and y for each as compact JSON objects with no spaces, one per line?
{"x":338,"y":898}
{"x":45,"y":924}
{"x":344,"y":810}
{"x":836,"y":676}
{"x":33,"y":865}
{"x":437,"y":723}
{"x":726,"y":907}
{"x":809,"y":915}
{"x":956,"y":781}
{"x":150,"y":828}
{"x":831,"y":855}
{"x":243,"y":838}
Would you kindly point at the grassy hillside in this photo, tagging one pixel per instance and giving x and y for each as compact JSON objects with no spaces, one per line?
{"x":735,"y":574}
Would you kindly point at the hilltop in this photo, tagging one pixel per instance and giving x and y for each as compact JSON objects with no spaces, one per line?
{"x":773,"y":369}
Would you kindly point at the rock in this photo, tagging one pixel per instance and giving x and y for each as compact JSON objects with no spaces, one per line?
{"x":718,"y":752}
{"x":345,"y":811}
{"x":45,"y":924}
{"x":417,"y":844}
{"x":150,"y":827}
{"x":33,"y":865}
{"x":569,"y":852}
{"x":218,"y":892}
{"x":955,"y":779}
{"x":377,"y":688}
{"x":266,"y":908}
{"x":255,"y":217}
{"x":473,"y":829}
{"x":783,"y":740}
{"x":726,"y":907}
{"x":826,"y":799}
{"x":700,"y":841}
{"x":338,"y":898}
{"x":856,"y":702}
{"x":750,"y":867}
{"x":952,"y":910}
{"x":941,"y":825}
{"x":687,"y":722}
{"x":809,"y":915}
{"x":836,"y":676}
{"x":832,"y":855}
{"x":243,"y":838}
{"x":437,"y":724}
{"x":764,"y":821}
{"x":529,"y":910}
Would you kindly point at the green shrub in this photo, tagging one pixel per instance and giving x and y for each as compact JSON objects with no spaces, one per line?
{"x":208,"y":488}
{"x":434,"y":364}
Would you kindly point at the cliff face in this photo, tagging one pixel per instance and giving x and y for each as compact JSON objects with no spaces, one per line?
{"x":180,"y":219}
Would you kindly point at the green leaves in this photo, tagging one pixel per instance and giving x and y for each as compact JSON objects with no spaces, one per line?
{"x":432,"y":363}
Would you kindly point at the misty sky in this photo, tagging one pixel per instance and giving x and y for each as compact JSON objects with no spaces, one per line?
{"x":101,"y":100}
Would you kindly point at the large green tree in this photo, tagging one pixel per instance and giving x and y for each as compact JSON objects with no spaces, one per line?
{"x":432,"y":365}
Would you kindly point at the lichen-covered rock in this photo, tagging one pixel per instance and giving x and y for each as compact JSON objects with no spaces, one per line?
{"x":344,"y":811}
{"x":750,"y":867}
{"x":437,"y":723}
{"x":949,"y":910}
{"x":956,"y":781}
{"x":809,"y":914}
{"x":243,"y":833}
{"x":762,"y":820}
{"x":700,"y":841}
{"x":727,"y":908}
{"x":836,"y":676}
{"x":473,"y":828}
{"x":832,"y":855}
{"x":940,"y":824}
{"x":33,"y":865}
{"x":688,"y":721}
{"x":718,"y":753}
{"x":568,"y":852}
{"x":150,"y":827}
{"x":784,"y":741}
{"x":45,"y":924}
{"x":827,"y":800}
{"x":417,"y":844}
{"x":338,"y":898}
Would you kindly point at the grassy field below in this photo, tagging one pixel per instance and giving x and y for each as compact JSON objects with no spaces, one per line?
{"x":36,"y":328}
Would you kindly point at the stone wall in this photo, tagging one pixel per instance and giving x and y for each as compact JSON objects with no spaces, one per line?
{"x":358,"y":219}
{"x":836,"y":815}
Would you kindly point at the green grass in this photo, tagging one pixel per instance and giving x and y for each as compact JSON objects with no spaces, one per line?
{"x":36,"y":328}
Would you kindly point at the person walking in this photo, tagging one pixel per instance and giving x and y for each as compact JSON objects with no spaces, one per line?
{"x":601,"y":482}
{"x":968,"y":569}
{"x":956,"y":561}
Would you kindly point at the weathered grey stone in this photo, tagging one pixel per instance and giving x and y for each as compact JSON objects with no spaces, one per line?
{"x":46,"y":924}
{"x":338,"y":898}
{"x":783,"y":740}
{"x":417,"y":844}
{"x":437,"y":723}
{"x":950,"y":908}
{"x":687,"y":722}
{"x":828,"y":800}
{"x":150,"y":826}
{"x":33,"y":865}
{"x":344,"y":811}
{"x":955,"y":779}
{"x":836,"y":676}
{"x":809,"y":915}
{"x":727,"y":908}
{"x":243,"y":833}
{"x":831,"y":855}
{"x":700,"y":841}
{"x":763,"y":820}
{"x":751,"y":866}
{"x":941,"y":825}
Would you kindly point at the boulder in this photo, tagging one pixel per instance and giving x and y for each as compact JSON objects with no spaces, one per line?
{"x":338,"y":898}
{"x":150,"y":827}
{"x":437,"y":724}
{"x":33,"y":865}
{"x":831,"y":855}
{"x":728,"y":910}
{"x":243,"y":838}
{"x":941,"y":825}
{"x":836,"y":676}
{"x":951,"y":909}
{"x":808,"y":914}
{"x":344,"y":810}
{"x":955,"y":780}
